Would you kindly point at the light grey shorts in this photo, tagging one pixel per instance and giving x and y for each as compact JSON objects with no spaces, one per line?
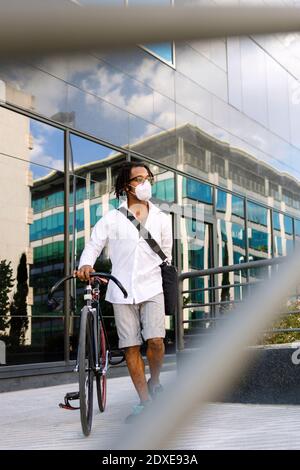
{"x":134,"y":321}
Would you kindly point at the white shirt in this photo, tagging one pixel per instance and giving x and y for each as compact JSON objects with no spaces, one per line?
{"x":134,"y":263}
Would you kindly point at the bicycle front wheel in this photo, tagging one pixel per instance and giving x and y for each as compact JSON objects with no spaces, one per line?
{"x":86,"y":370}
{"x":101,"y":379}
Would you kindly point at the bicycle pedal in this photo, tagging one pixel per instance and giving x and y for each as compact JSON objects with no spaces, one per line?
{"x":72,"y":396}
{"x":69,"y":397}
{"x":68,"y":407}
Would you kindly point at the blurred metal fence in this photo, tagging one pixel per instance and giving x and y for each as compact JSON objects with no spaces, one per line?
{"x":202,"y":309}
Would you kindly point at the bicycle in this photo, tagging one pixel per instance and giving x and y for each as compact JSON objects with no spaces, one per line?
{"x":94,"y":354}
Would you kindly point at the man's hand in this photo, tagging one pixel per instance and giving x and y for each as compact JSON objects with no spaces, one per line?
{"x":84,"y":272}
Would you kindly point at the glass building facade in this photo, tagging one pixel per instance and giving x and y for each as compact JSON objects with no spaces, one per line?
{"x":218,"y":123}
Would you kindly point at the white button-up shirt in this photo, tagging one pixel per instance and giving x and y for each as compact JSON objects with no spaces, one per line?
{"x":134,"y":263}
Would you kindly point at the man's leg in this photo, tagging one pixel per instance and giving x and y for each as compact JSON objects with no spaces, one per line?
{"x":153,"y":321}
{"x":136,"y":369}
{"x":128,"y":327}
{"x":155,"y":356}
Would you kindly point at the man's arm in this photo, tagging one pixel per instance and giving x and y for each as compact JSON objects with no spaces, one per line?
{"x":167,"y":236}
{"x":92,"y":250}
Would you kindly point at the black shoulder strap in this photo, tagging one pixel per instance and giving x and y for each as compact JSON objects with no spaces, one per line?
{"x":143,"y":232}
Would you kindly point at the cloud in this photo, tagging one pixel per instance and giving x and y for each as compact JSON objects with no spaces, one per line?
{"x":48,"y":92}
{"x":40,"y":156}
{"x":128,"y":94}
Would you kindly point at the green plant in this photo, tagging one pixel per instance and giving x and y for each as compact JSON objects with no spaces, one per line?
{"x":6,"y":285}
{"x":287,"y":322}
{"x":18,"y":309}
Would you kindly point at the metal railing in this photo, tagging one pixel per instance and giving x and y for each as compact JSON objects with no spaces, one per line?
{"x":218,"y":296}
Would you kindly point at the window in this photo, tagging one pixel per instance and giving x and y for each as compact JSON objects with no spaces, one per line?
{"x":95,"y":213}
{"x":32,"y":164}
{"x":226,"y":201}
{"x":283,"y":234}
{"x":164,"y":50}
{"x":86,"y":152}
{"x":259,"y":233}
{"x":196,"y":190}
{"x":284,"y":222}
{"x":195,"y":236}
{"x":297,"y":227}
{"x":257,"y":214}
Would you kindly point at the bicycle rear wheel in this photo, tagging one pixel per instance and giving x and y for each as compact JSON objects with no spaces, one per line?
{"x":86,"y":370}
{"x":101,"y":379}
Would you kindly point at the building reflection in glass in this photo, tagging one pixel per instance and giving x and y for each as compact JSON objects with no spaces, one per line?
{"x":231,"y":211}
{"x":231,"y":242}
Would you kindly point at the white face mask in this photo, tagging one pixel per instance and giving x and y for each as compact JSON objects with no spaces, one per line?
{"x":143,"y":191}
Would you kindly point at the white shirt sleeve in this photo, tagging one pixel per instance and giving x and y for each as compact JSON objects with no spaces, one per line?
{"x":95,"y":245}
{"x":167,"y":236}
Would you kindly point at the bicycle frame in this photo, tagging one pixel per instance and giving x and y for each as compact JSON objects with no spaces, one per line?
{"x":98,"y":323}
{"x":92,"y":318}
{"x":95,"y":311}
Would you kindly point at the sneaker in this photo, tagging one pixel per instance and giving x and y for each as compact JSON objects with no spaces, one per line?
{"x":136,"y":412}
{"x":154,"y":390}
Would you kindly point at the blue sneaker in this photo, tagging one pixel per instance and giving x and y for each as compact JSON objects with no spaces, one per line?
{"x":136,"y":412}
{"x":154,"y":390}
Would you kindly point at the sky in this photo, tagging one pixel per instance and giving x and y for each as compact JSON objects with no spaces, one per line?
{"x":48,"y":149}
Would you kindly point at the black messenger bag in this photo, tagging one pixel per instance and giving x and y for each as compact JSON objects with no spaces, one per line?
{"x":168,"y":271}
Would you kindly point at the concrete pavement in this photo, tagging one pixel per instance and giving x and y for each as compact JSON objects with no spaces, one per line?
{"x":31,"y":419}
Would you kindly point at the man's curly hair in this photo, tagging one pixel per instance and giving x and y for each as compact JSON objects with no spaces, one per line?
{"x":124,"y":176}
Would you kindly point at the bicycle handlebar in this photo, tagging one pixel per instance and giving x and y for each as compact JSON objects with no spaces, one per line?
{"x":92,"y":274}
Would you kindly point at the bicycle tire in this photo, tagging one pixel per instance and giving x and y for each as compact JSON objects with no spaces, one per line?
{"x":101,"y":379}
{"x":86,"y":371}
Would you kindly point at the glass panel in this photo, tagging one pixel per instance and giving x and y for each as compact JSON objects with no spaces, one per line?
{"x":27,"y":87}
{"x":95,"y":117}
{"x":30,"y":140}
{"x":278,"y":108}
{"x":164,"y":111}
{"x":32,"y":244}
{"x":144,"y":137}
{"x":259,"y":236}
{"x":231,"y":239}
{"x":214,"y":50}
{"x":294,"y":109}
{"x":100,"y":79}
{"x":94,"y":183}
{"x":257,"y":214}
{"x":283,"y":234}
{"x":88,"y":154}
{"x":192,"y":96}
{"x":234,"y":72}
{"x":297,"y":232}
{"x":46,"y":145}
{"x":193,"y":190}
{"x":95,"y":171}
{"x":198,"y":68}
{"x":253,"y":67}
{"x":46,"y":343}
{"x":229,"y":204}
{"x":297,"y":227}
{"x":163,"y":50}
{"x":195,"y":245}
{"x":144,"y":67}
{"x":164,"y":186}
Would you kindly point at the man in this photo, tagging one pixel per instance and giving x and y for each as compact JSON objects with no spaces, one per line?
{"x":137,"y":266}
